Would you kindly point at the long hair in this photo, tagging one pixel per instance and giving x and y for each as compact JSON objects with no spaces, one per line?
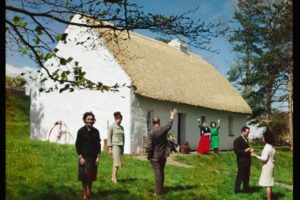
{"x":268,"y":135}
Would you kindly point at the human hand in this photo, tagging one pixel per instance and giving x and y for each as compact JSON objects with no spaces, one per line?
{"x":219,"y":121}
{"x":173,"y":112}
{"x":249,"y":150}
{"x":109,"y":150}
{"x":81,"y":160}
{"x":253,"y":154}
{"x":97,"y":161}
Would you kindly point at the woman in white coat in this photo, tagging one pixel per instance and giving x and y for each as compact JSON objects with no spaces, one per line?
{"x":267,"y":157}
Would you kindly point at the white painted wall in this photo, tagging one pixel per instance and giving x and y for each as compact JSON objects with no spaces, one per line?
{"x":140,"y":106}
{"x":46,"y":108}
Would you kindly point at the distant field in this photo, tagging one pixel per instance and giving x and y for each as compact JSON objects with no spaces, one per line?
{"x":43,"y":170}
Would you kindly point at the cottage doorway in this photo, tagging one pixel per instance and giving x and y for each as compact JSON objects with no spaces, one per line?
{"x":181,"y":128}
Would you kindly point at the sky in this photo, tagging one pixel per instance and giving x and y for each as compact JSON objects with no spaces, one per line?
{"x":209,"y":11}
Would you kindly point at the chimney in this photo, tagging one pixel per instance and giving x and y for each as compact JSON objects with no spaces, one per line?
{"x":179,"y":45}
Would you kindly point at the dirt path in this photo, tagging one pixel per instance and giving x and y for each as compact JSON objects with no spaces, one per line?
{"x":290,"y":187}
{"x":170,"y":161}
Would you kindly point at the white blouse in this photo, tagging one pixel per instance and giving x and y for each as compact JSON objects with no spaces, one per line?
{"x":267,"y":155}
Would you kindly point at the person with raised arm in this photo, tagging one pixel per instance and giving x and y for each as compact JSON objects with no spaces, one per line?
{"x":158,"y":149}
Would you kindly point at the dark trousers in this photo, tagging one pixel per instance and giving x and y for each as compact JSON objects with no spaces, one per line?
{"x":243,"y":175}
{"x":158,"y":169}
{"x":216,"y":150}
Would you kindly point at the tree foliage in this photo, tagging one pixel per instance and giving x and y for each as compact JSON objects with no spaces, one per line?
{"x":17,"y":82}
{"x":263,"y":42}
{"x":29,"y":31}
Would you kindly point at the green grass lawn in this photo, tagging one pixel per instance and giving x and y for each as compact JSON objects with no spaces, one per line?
{"x":43,"y":170}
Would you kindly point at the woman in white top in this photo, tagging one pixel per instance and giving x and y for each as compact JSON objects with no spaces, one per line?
{"x":267,"y":157}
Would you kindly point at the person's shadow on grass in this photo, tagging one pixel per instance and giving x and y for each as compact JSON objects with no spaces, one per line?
{"x":178,"y":188}
{"x":129,"y":180}
{"x":277,"y":195}
{"x":254,"y":189}
{"x":105,"y":193}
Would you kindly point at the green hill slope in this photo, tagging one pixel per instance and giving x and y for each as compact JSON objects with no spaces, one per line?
{"x":38,"y":170}
{"x":17,"y":106}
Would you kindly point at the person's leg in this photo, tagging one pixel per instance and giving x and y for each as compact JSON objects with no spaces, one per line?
{"x":117,"y":162}
{"x":117,"y":169}
{"x":269,"y":193}
{"x":238,"y":179}
{"x":84,"y":190}
{"x":158,"y":176}
{"x":89,"y":189}
{"x":162,"y":172}
{"x":246,"y":178}
{"x":114,"y":174}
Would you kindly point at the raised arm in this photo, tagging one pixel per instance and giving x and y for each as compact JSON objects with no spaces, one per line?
{"x":169,"y":124}
{"x":218,"y":125}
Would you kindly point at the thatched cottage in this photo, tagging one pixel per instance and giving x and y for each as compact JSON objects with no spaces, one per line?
{"x":164,"y":76}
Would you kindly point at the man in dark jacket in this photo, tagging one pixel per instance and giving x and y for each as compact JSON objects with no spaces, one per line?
{"x":158,"y":150}
{"x":243,"y":155}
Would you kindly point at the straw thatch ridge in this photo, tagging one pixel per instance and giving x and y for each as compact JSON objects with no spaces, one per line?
{"x":162,"y":72}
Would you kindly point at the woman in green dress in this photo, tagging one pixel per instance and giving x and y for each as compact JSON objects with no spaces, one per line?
{"x":115,"y":143}
{"x":214,"y":141}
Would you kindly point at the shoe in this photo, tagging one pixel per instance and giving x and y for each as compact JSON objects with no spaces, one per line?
{"x":84,"y":197}
{"x":237,"y":191}
{"x":114,"y":181}
{"x":89,"y":194}
{"x":246,"y":191}
{"x":156,"y":194}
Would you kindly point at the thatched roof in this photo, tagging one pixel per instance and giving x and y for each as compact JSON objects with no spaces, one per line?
{"x":162,"y":72}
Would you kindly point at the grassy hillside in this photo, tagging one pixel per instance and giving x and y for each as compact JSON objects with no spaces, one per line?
{"x":42,"y":170}
{"x":17,"y":106}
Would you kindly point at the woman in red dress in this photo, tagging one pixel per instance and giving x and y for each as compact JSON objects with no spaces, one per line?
{"x":204,"y":141}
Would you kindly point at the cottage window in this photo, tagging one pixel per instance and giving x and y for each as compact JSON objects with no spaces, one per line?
{"x":230,"y":125}
{"x":149,"y":119}
{"x":181,"y":135}
{"x":203,"y":119}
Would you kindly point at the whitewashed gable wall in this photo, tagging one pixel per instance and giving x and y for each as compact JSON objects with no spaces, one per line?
{"x":46,"y":108}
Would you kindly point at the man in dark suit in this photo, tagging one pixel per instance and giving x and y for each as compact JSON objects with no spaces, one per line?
{"x":243,"y":155}
{"x":158,"y":150}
